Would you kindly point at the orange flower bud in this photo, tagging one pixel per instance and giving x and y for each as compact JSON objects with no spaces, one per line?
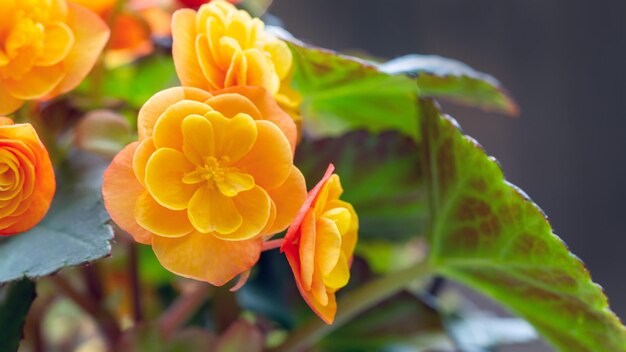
{"x":319,"y":245}
{"x":47,"y":47}
{"x":220,"y":46}
{"x":27,"y":181}
{"x":210,"y":179}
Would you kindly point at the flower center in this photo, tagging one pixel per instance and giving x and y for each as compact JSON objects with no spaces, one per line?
{"x":211,"y":171}
{"x":214,"y":174}
{"x":23,"y":45}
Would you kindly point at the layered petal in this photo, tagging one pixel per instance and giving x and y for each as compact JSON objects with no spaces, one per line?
{"x":165,"y":171}
{"x":184,"y":50}
{"x":150,"y":215}
{"x":288,"y":199}
{"x":90,"y":36}
{"x":161,"y":101}
{"x":205,"y":257}
{"x":270,"y":159}
{"x":120,"y":190}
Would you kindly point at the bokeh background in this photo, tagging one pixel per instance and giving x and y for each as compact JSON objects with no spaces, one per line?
{"x":564,"y":63}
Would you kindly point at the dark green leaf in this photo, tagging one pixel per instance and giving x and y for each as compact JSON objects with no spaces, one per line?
{"x":13,"y":309}
{"x":342,"y":93}
{"x":488,"y":235}
{"x":74,"y":232}
{"x":381,"y":176}
{"x":451,"y":79}
{"x":402,"y":320}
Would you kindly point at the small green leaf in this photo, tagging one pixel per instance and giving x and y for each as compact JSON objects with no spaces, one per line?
{"x":135,"y":83}
{"x":342,"y":93}
{"x":451,"y":79}
{"x":13,"y":309}
{"x":75,"y":230}
{"x":382,"y":178}
{"x":488,"y":235}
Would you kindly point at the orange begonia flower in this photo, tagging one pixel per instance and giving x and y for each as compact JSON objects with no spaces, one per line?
{"x":319,"y":245}
{"x":133,"y":26}
{"x":47,"y":47}
{"x":27,"y":181}
{"x":219,"y":46}
{"x":210,"y":179}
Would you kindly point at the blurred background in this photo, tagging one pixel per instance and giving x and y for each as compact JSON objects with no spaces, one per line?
{"x":564,"y":63}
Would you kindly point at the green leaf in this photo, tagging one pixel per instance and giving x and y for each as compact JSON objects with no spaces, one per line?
{"x":382,"y":178}
{"x":75,"y":230}
{"x":13,"y":309}
{"x":137,"y":82}
{"x":342,"y":93}
{"x":451,"y":79}
{"x":489,"y":235}
{"x":400,"y":321}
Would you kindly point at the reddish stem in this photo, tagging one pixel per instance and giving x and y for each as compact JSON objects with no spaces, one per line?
{"x":272,"y":244}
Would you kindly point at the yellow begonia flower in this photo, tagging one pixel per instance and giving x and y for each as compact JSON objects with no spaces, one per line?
{"x":47,"y":47}
{"x":320,"y":243}
{"x":209,"y":180}
{"x":220,"y":46}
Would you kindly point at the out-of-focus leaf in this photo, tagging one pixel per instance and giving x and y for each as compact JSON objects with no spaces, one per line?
{"x":267,"y":292}
{"x":451,"y":79}
{"x":75,"y":230}
{"x":148,"y":338}
{"x":481,"y":332}
{"x":137,"y":82}
{"x":385,"y":256}
{"x":488,"y":235}
{"x":382,"y":178}
{"x":103,"y":132}
{"x":342,"y":93}
{"x":241,"y":336}
{"x":13,"y":309}
{"x":256,"y":8}
{"x":401,"y":321}
{"x":150,"y":270}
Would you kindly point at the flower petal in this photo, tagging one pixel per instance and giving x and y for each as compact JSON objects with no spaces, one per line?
{"x":211,"y":211}
{"x":184,"y":50}
{"x":307,"y":250}
{"x":168,"y":128}
{"x":120,"y":190}
{"x":288,"y":198}
{"x":205,"y":257}
{"x":143,"y":153}
{"x":291,"y":237}
{"x":159,"y":220}
{"x":235,"y":182}
{"x":164,"y":178}
{"x":327,"y":245}
{"x":340,"y":275}
{"x":58,"y":41}
{"x":234,"y":137}
{"x":158,"y":103}
{"x":90,"y":36}
{"x":213,"y":77}
{"x":260,"y":71}
{"x":36,"y":83}
{"x":270,"y":159}
{"x":198,"y":138}
{"x":255,"y":207}
{"x":327,"y":312}
{"x":264,"y":103}
{"x":8,"y":103}
{"x":231,"y":104}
